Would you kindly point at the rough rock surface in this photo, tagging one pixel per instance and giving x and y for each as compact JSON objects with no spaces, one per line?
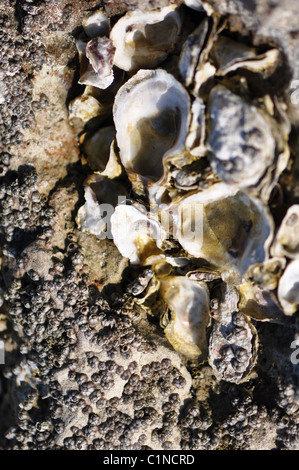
{"x":84,"y":367}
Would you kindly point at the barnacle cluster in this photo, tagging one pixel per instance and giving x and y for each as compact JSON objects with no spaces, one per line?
{"x":174,"y":123}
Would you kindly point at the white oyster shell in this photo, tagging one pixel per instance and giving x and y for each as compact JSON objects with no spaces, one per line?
{"x":102,"y":194}
{"x":287,"y":240}
{"x":136,"y":235}
{"x":151,"y":119}
{"x":90,"y":217}
{"x":288,"y":288}
{"x":96,"y":62}
{"x":188,"y":302}
{"x":194,"y":4}
{"x":143,"y":40}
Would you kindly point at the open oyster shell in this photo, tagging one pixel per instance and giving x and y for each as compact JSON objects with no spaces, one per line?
{"x":188,"y":302}
{"x":230,"y":229}
{"x":143,"y":40}
{"x":96,"y":147}
{"x":151,"y":119}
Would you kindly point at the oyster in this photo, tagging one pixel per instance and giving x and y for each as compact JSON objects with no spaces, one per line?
{"x":229,"y":55}
{"x":194,"y":4}
{"x":287,"y":241}
{"x":192,"y":50}
{"x":196,"y":132}
{"x":258,"y":299}
{"x":90,"y":215}
{"x":136,"y":235}
{"x":96,"y":62}
{"x":240,"y":139}
{"x":233,"y":340}
{"x":259,"y":303}
{"x":139,"y":285}
{"x":188,"y":302}
{"x":151,"y":119}
{"x":231,"y":230}
{"x":85,"y":108}
{"x":96,"y":147}
{"x":101,"y":196}
{"x":144,"y":40}
{"x":96,"y":23}
{"x":266,"y":274}
{"x":288,"y":288}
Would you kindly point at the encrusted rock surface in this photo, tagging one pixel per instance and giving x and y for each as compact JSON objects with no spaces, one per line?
{"x":85,"y":368}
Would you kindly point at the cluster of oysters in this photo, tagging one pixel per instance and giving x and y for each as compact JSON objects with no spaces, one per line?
{"x":188,"y":155}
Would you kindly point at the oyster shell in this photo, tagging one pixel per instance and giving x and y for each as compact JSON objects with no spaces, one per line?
{"x":90,"y":215}
{"x":182,"y":172}
{"x":156,"y":124}
{"x":197,"y":129}
{"x":233,"y":340}
{"x":85,"y":108}
{"x":288,"y":288}
{"x":96,"y":23}
{"x":195,"y":5}
{"x":101,"y":196}
{"x":266,"y":274}
{"x":140,"y":284}
{"x":96,"y":62}
{"x":192,"y":50}
{"x":240,"y":139}
{"x":259,"y":303}
{"x":188,"y":302}
{"x":233,"y":229}
{"x":144,"y":40}
{"x":136,"y":235}
{"x":287,"y":241}
{"x":96,"y":147}
{"x":258,"y":299}
{"x":229,"y":55}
